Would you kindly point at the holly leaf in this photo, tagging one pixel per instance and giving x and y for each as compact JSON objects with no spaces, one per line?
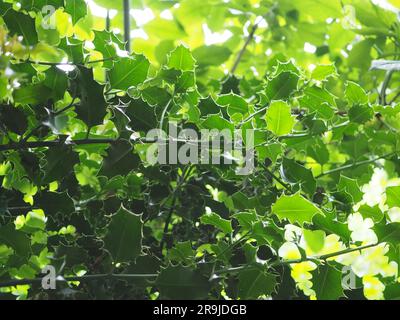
{"x":102,"y":42}
{"x":327,"y":283}
{"x":282,"y":86}
{"x":255,"y":281}
{"x":351,"y":187}
{"x":142,"y":115}
{"x":179,"y":282}
{"x":124,"y":236}
{"x":294,"y":172}
{"x":60,"y":161}
{"x":55,"y":202}
{"x":129,"y":72}
{"x":355,"y":94}
{"x":119,"y":160}
{"x":218,"y":222}
{"x":16,"y":239}
{"x":279,"y":118}
{"x":393,"y":196}
{"x":373,"y":213}
{"x":181,"y":59}
{"x":361,"y":113}
{"x":77,"y":9}
{"x":92,"y":107}
{"x":32,"y":94}
{"x":57,"y":81}
{"x":323,"y":72}
{"x":13,"y":119}
{"x":21,"y":25}
{"x":315,"y":239}
{"x":318,"y":100}
{"x":295,"y":208}
{"x":388,"y":233}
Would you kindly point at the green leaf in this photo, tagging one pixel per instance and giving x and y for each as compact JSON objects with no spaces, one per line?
{"x":55,"y":202}
{"x":212,"y":55}
{"x":329,"y":224}
{"x":361,"y":113}
{"x":181,"y":59}
{"x":124,"y":236}
{"x":393,"y":196}
{"x":355,"y":94}
{"x":57,"y":81}
{"x":360,"y":55}
{"x":60,"y":161}
{"x":155,"y":96}
{"x":17,"y":240}
{"x":13,"y":119}
{"x":318,"y":100}
{"x":92,"y":107}
{"x":218,"y":222}
{"x":103,"y":43}
{"x":32,"y":94}
{"x":323,"y":72}
{"x":217,"y":122}
{"x":119,"y":160}
{"x":315,"y":239}
{"x":318,"y":151}
{"x":351,"y":187}
{"x":388,"y":233}
{"x":22,"y":25}
{"x":255,"y":282}
{"x":129,"y":72}
{"x":182,"y":252}
{"x":209,"y":106}
{"x":295,"y":208}
{"x":178,"y":282}
{"x":77,"y":9}
{"x":373,"y":213}
{"x":142,"y":116}
{"x":282,"y":86}
{"x":73,"y":48}
{"x":234,"y":103}
{"x":327,"y":283}
{"x":294,"y":172}
{"x":186,"y":81}
{"x":279,"y":118}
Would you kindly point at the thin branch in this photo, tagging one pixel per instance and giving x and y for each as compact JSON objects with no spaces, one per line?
{"x":325,"y":256}
{"x":40,"y":144}
{"x":84,"y":278}
{"x":45,"y":63}
{"x":293,"y":261}
{"x":395,"y":98}
{"x":254,"y":114}
{"x":185,"y":175}
{"x":277,"y":179}
{"x":243,"y":50}
{"x":307,"y":134}
{"x":388,"y":77}
{"x":354,"y":165}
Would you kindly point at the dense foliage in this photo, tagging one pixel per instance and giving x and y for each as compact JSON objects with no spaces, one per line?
{"x":318,"y":82}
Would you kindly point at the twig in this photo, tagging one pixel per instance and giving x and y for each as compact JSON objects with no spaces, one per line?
{"x":45,"y":63}
{"x":84,"y":278}
{"x":185,"y":175}
{"x":279,"y":180}
{"x":243,"y":50}
{"x":354,"y":165}
{"x":388,"y":77}
{"x":293,"y":261}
